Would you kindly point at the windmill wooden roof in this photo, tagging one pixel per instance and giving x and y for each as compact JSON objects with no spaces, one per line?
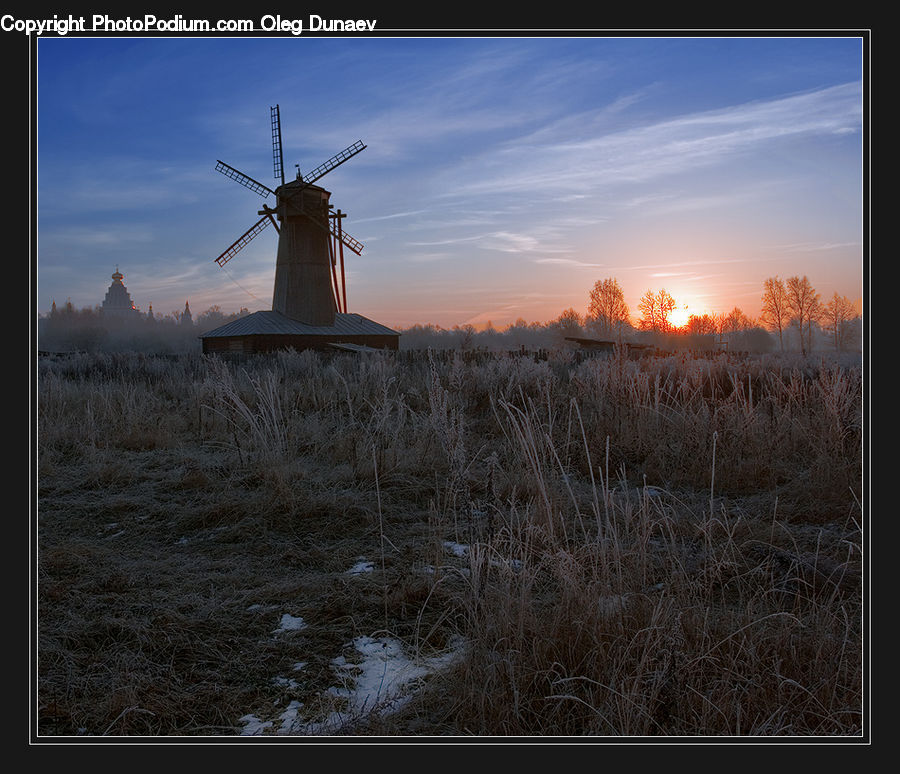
{"x":274,"y":323}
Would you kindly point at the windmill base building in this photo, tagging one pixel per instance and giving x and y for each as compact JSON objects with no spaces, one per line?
{"x":270,"y":331}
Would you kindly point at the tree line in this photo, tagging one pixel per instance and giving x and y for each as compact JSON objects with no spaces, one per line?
{"x":791,"y":311}
{"x":786,"y":304}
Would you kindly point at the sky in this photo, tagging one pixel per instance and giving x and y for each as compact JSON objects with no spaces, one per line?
{"x":503,"y":176}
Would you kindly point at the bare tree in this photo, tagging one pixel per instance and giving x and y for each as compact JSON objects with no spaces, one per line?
{"x":837,"y":313}
{"x":804,"y":307}
{"x":655,"y":310}
{"x":607,"y":310}
{"x":568,"y":323}
{"x":700,"y":325}
{"x":775,"y":312}
{"x":736,"y":321}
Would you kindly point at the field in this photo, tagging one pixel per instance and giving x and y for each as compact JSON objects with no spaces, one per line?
{"x":658,"y":547}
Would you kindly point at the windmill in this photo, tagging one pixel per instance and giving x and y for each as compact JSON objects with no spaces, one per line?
{"x":309,"y":299}
{"x":311,"y":239}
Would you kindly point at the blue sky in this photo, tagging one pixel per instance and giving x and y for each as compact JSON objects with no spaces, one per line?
{"x":502,"y":177}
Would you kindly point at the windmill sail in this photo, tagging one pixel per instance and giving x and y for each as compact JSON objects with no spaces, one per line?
{"x":354,"y":244}
{"x":242,"y":240}
{"x":277,"y":157}
{"x":244,"y":180}
{"x":334,"y":161}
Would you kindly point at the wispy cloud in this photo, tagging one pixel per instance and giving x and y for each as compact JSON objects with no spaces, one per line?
{"x":811,"y":247}
{"x":666,"y":147}
{"x":449,"y":241}
{"x":76,"y":239}
{"x":124,"y":184}
{"x":570,"y":262}
{"x":428,"y":257}
{"x":509,"y":242}
{"x":391,"y":216}
{"x":681,"y":264}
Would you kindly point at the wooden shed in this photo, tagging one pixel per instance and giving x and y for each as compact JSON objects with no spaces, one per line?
{"x":269,"y":331}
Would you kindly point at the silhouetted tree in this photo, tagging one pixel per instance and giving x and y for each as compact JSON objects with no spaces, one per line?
{"x":607,"y":310}
{"x":737,"y":326}
{"x":465,"y":335}
{"x":567,"y":324}
{"x":775,"y":312}
{"x":699,"y":332}
{"x":805,"y":308}
{"x":700,"y":325}
{"x":838,"y":312}
{"x":210,"y":319}
{"x":736,"y":321}
{"x":655,"y":310}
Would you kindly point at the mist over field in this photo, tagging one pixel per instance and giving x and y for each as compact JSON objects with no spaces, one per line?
{"x":86,"y":330}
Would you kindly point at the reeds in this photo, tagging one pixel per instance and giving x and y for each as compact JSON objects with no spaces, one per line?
{"x":658,"y":547}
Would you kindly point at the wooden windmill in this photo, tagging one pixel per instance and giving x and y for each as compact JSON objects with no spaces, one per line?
{"x":309,"y":299}
{"x":311,"y":239}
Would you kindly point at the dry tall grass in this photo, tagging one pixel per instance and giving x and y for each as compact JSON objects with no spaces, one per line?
{"x":659,"y":547}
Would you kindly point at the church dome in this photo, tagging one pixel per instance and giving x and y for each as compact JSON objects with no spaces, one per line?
{"x":117,"y":302}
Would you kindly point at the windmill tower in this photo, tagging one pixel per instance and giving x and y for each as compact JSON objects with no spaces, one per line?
{"x":309,"y":298}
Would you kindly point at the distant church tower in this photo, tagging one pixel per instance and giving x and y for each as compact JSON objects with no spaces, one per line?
{"x":186,"y":317}
{"x":118,"y":301}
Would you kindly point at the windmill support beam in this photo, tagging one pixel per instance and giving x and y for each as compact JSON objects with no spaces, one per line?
{"x":343,"y":275}
{"x":339,"y":240}
{"x":337,"y":295}
{"x":270,"y":213}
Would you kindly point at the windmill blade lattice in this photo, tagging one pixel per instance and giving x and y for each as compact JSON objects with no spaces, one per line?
{"x":334,"y":161}
{"x":242,"y":240}
{"x":332,"y":228}
{"x":244,"y":180}
{"x":355,"y":245}
{"x":277,"y":158}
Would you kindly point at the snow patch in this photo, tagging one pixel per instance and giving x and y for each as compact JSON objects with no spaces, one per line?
{"x":361,"y":567}
{"x":383,"y":681}
{"x":457,"y":549}
{"x":290,"y":623}
{"x":253,"y":726}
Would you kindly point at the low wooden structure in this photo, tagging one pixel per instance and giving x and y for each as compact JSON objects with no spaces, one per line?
{"x":269,"y":331}
{"x":609,"y":347}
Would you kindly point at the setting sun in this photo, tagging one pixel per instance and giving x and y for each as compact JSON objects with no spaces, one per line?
{"x":680,"y":315}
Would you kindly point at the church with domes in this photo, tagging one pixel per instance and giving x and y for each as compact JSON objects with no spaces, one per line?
{"x":118,"y":303}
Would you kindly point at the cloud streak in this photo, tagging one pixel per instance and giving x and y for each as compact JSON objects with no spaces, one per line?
{"x":665,"y":147}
